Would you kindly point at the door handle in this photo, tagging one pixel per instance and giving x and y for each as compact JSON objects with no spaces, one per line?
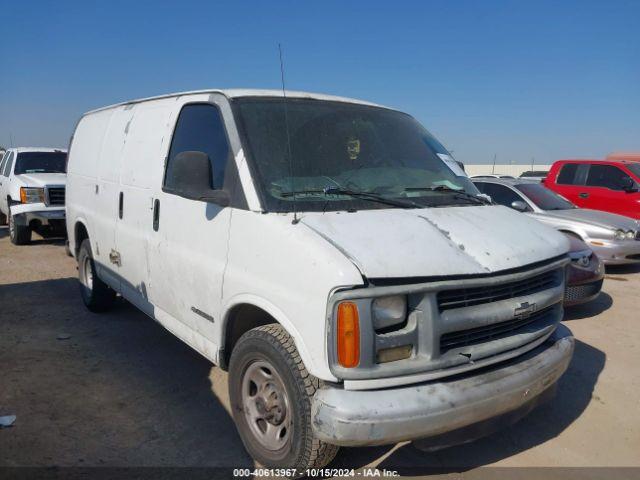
{"x":120,"y":205}
{"x":583,"y":195}
{"x":156,"y":215}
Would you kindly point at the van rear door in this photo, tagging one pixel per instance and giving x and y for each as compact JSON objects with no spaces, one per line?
{"x":106,"y":193}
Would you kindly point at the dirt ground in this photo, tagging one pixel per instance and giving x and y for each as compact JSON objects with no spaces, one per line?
{"x":117,"y":389}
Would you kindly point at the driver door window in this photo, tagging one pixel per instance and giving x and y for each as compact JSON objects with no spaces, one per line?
{"x":200,"y":128}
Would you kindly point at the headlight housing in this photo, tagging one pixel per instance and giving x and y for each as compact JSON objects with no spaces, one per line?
{"x":389,"y":311}
{"x":31,"y":195}
{"x":620,"y":234}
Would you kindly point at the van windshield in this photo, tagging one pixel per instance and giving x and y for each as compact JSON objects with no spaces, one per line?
{"x":337,"y":156}
{"x":41,"y":162}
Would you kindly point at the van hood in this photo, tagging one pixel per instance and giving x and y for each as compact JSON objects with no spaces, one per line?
{"x":596,"y":218}
{"x":395,"y":243}
{"x":42,"y":179}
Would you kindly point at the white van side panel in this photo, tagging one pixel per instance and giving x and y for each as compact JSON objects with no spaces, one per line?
{"x":82,"y":173}
{"x":289,"y":271}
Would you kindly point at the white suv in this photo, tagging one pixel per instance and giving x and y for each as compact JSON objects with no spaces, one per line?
{"x":327,"y":252}
{"x":32,"y":192}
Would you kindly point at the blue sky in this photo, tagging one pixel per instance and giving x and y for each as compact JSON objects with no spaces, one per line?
{"x":518,"y":79}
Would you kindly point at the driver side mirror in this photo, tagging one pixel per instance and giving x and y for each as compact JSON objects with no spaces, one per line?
{"x":628,"y":185}
{"x":519,"y":205}
{"x":191,"y":175}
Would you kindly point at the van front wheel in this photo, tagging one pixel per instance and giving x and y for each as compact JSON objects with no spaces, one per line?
{"x":270,"y":392}
{"x":96,"y":295}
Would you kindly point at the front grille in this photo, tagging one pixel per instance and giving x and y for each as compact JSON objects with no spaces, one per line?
{"x":493,"y":331}
{"x":56,"y":196}
{"x":467,"y":297}
{"x":581,"y":292}
{"x":638,"y":235}
{"x":635,"y":256}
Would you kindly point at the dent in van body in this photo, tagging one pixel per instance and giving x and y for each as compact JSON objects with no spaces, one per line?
{"x":429,"y":242}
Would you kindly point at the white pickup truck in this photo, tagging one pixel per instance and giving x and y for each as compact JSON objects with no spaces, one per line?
{"x":327,"y":252}
{"x":32,"y":192}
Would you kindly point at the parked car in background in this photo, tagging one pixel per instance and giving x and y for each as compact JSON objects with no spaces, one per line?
{"x":358,"y":290}
{"x":32,"y":192}
{"x":492,"y":175}
{"x":534,"y":174}
{"x":614,"y":238}
{"x":585,"y":274}
{"x":607,"y":185}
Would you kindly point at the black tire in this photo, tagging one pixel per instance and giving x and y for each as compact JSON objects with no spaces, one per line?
{"x":19,"y":234}
{"x":273,"y":345}
{"x":96,"y":295}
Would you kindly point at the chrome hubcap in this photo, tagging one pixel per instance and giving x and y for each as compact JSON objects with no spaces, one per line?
{"x":266,"y":405}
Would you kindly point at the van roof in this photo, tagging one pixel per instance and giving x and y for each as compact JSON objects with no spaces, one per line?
{"x":246,"y":92}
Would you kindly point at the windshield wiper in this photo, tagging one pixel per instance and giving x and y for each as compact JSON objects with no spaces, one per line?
{"x":445,"y":189}
{"x":372,"y":197}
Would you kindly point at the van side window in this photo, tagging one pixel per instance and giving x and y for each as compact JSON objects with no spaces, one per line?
{"x":606,"y":176}
{"x":7,"y":167}
{"x":4,"y":159}
{"x":200,"y":128}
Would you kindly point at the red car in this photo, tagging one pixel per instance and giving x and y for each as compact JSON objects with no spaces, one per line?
{"x":608,"y":185}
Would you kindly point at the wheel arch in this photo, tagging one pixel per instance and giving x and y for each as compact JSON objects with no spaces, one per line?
{"x":246,"y":312}
{"x":80,"y":233}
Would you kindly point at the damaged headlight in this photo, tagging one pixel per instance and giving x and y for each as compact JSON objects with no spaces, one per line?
{"x":389,"y":311}
{"x":31,"y":195}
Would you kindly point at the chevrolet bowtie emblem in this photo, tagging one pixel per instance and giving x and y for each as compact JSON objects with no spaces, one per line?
{"x":525,"y":310}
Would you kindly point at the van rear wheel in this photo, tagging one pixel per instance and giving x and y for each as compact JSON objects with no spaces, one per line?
{"x":96,"y":295}
{"x":271,"y":391}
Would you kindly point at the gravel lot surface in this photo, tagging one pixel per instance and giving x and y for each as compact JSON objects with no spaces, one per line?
{"x":117,"y":389}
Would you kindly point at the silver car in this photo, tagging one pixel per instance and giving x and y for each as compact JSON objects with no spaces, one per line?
{"x":614,"y":238}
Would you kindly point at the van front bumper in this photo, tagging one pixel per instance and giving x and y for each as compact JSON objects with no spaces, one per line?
{"x":379,"y":417}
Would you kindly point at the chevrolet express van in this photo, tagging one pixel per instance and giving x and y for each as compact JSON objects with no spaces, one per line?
{"x":330,"y":255}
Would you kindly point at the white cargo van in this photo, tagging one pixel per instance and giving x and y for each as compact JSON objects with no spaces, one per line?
{"x":327,"y":252}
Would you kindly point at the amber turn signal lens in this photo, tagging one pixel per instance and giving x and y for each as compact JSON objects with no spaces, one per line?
{"x":348,"y":335}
